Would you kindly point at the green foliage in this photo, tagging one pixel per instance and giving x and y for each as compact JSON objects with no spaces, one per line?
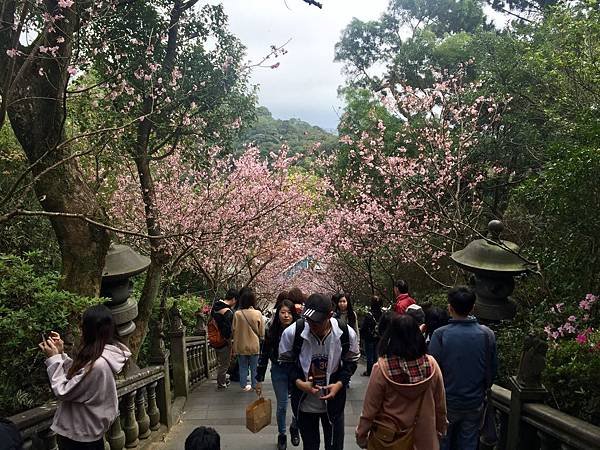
{"x":557,"y":211}
{"x":571,"y":376}
{"x":30,"y":305}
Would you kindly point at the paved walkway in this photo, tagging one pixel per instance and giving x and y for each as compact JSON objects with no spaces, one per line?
{"x":226,"y":412}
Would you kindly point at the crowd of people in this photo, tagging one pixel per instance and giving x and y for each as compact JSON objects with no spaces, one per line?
{"x":429,"y":370}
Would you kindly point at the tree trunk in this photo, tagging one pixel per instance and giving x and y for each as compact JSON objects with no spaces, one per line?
{"x":37,"y":113}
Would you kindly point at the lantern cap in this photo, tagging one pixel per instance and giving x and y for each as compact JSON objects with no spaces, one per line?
{"x":491,"y":254}
{"x":123,"y":262}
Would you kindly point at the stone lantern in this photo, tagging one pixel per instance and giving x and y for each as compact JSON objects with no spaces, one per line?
{"x":494,"y":263}
{"x":122,"y":262}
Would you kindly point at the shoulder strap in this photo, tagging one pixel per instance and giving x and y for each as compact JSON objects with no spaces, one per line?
{"x":298,"y":340}
{"x":249,"y":324}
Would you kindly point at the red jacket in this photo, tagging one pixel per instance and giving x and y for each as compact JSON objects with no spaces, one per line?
{"x":403,"y":301}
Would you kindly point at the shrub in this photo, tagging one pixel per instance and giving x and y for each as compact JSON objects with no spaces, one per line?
{"x":30,"y":304}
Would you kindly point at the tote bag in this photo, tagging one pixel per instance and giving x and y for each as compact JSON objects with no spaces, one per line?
{"x":258,"y":414}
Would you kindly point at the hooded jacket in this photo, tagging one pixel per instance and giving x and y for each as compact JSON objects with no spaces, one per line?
{"x":393,"y":396}
{"x":88,"y":401}
{"x":223,"y":316}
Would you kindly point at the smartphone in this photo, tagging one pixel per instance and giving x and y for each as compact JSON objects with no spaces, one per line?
{"x":324,"y":391}
{"x":44,"y":337}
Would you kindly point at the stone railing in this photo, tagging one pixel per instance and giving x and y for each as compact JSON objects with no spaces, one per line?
{"x":144,"y":406}
{"x":201,"y":359}
{"x":538,"y":426}
{"x":192,"y":358}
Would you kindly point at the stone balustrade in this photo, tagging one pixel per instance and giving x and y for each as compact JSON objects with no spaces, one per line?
{"x":144,"y":406}
{"x":541,"y":427}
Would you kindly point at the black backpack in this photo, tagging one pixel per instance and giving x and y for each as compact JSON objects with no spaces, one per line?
{"x":298,"y":340}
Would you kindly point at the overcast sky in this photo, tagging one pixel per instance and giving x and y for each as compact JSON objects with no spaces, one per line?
{"x":305,"y":84}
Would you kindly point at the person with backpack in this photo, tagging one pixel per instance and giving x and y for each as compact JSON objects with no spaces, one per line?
{"x":370,"y":333}
{"x":86,"y":386}
{"x":404,"y":405}
{"x":321,"y":354}
{"x":248,"y":331}
{"x":219,"y":332}
{"x":285,"y":315}
{"x":345,"y":312}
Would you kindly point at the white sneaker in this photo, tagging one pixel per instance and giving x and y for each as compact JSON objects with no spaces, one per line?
{"x":248,"y":388}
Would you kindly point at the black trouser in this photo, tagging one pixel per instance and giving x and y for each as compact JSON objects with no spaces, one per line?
{"x":68,"y":444}
{"x":309,"y":430}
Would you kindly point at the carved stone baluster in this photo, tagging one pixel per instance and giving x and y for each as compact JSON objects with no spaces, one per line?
{"x":203,"y":366}
{"x":196,"y":358}
{"x":116,"y":436}
{"x":106,"y":444}
{"x":49,"y":438}
{"x":153,"y":411}
{"x":130,"y":427}
{"x":191,"y":365}
{"x":141,"y":416}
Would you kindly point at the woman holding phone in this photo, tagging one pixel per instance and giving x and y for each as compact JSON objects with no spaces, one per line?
{"x":85,"y":385}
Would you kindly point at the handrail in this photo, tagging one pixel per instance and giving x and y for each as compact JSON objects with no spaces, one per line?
{"x":569,"y":430}
{"x":34,"y":424}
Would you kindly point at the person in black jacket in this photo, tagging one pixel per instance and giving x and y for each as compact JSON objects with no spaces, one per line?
{"x":285,"y":315}
{"x":370,"y":333}
{"x":223,"y":315}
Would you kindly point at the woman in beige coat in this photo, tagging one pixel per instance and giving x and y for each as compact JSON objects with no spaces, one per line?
{"x":406,"y":390}
{"x":248,"y":331}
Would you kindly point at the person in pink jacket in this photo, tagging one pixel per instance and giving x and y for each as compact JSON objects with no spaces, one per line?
{"x":85,"y":386}
{"x":406,"y":389}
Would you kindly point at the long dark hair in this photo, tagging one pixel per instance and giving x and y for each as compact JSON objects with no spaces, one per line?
{"x":246,"y":298}
{"x":402,"y":338}
{"x":98,"y":328}
{"x":276,"y":328}
{"x":351,"y":316}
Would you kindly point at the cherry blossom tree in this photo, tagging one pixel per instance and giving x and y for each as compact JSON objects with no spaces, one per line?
{"x":417,"y":204}
{"x":232,"y":221}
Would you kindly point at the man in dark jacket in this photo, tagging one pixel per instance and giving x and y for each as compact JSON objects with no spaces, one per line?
{"x":466,"y":353}
{"x":320,"y":371}
{"x":370,"y":333}
{"x":223,"y":315}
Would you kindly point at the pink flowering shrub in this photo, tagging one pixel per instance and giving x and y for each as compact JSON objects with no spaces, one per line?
{"x":573,"y":360}
{"x":578,"y":322}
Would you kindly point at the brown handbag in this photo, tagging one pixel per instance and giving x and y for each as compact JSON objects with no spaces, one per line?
{"x":382,"y":437}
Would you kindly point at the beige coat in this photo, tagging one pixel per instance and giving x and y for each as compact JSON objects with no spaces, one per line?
{"x":245,"y":340}
{"x":395,"y":405}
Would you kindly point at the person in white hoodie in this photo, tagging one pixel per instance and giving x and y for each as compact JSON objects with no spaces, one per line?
{"x":85,"y":386}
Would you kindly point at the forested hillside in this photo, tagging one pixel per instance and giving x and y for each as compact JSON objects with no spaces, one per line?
{"x":269,"y":134}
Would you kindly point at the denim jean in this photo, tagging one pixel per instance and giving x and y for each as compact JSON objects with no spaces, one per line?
{"x":248,"y":361}
{"x":463,"y":430}
{"x":370,"y":353}
{"x":333,"y":433}
{"x":279,"y":378}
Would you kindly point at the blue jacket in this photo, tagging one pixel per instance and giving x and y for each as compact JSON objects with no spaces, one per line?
{"x":460,"y":350}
